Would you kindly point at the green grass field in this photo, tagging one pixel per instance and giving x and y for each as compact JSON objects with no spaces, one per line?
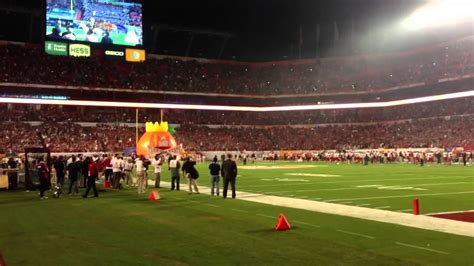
{"x":124,"y":228}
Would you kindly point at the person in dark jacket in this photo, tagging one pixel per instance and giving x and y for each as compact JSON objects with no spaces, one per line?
{"x":92,"y":176}
{"x":59,"y":166}
{"x":85,"y":170}
{"x":191,"y":173}
{"x":73,"y":173}
{"x":229,"y":173}
{"x":215,"y":170}
{"x":43,"y":174}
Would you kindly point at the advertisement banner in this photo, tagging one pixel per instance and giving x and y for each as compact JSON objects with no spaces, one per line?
{"x":55,"y":48}
{"x":115,"y":53}
{"x":134,"y":55}
{"x":79,"y":50}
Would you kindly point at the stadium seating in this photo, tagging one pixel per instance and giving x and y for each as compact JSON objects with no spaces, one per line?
{"x":333,"y":75}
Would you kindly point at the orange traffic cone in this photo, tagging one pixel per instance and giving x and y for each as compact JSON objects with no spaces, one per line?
{"x":282,"y":223}
{"x":154,"y":195}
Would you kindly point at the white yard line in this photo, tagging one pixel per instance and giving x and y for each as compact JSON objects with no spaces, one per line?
{"x":404,"y":196}
{"x":405,"y":219}
{"x":267,"y":216}
{"x":237,"y":210}
{"x":308,"y":224}
{"x":364,"y":204}
{"x":422,"y":248}
{"x":356,"y":181}
{"x":368,"y":187}
{"x":405,"y":210}
{"x":436,"y":213}
{"x":355,"y":234}
{"x":383,"y":207}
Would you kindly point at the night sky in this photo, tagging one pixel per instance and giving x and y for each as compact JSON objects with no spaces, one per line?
{"x":262,"y":30}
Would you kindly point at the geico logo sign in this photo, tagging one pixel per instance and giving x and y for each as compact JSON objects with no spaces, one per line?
{"x":135,"y":55}
{"x":79,"y":50}
{"x":114,"y":53}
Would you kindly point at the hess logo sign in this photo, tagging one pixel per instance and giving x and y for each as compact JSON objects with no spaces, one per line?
{"x":114,"y":53}
{"x":79,"y":50}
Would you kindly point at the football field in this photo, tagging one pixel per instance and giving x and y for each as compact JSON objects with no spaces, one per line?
{"x":392,"y":187}
{"x":125,"y":228}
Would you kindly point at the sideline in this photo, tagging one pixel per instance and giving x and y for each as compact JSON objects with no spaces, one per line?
{"x":405,"y":219}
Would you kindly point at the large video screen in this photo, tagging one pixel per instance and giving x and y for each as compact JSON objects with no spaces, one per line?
{"x":108,"y":22}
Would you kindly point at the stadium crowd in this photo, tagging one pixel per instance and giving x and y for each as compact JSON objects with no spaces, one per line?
{"x":71,"y":137}
{"x":29,"y":64}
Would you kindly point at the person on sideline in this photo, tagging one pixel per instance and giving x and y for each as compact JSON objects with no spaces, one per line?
{"x":174,"y":171}
{"x":141,"y":179}
{"x":229,"y":173}
{"x":192,"y":174}
{"x":117,"y":165}
{"x":127,"y":170}
{"x":60,"y":167}
{"x":157,"y":162}
{"x":73,"y":170}
{"x":43,"y":174}
{"x":92,"y":177}
{"x":215,"y":170}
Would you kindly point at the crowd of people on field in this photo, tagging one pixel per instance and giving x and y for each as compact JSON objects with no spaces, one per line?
{"x":29,"y":64}
{"x":118,"y":172}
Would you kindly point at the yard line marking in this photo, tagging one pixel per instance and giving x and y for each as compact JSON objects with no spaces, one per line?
{"x":383,"y":207}
{"x":308,"y":224}
{"x":394,"y":187}
{"x":399,"y":218}
{"x":404,"y":196}
{"x":365,"y":204}
{"x":212,"y":205}
{"x":355,"y":234}
{"x":267,"y":216}
{"x":356,"y":181}
{"x":448,"y":212}
{"x":422,"y":248}
{"x":237,"y":210}
{"x":405,"y":210}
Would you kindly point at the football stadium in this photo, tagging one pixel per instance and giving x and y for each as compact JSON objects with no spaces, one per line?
{"x":140,"y":132}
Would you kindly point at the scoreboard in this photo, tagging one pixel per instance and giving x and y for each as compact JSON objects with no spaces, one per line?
{"x":85,"y":28}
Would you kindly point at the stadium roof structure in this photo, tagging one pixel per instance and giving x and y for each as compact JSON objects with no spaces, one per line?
{"x":259,"y":31}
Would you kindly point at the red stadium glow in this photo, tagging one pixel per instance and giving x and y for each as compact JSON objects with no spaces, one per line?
{"x":238,"y":108}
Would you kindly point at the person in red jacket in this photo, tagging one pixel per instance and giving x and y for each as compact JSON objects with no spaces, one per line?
{"x":93,"y":175}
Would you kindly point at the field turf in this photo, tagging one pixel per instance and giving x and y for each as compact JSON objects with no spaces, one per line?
{"x":124,"y":228}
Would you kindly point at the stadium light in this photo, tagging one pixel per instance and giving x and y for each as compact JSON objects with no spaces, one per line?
{"x":440,"y":13}
{"x":238,"y":108}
